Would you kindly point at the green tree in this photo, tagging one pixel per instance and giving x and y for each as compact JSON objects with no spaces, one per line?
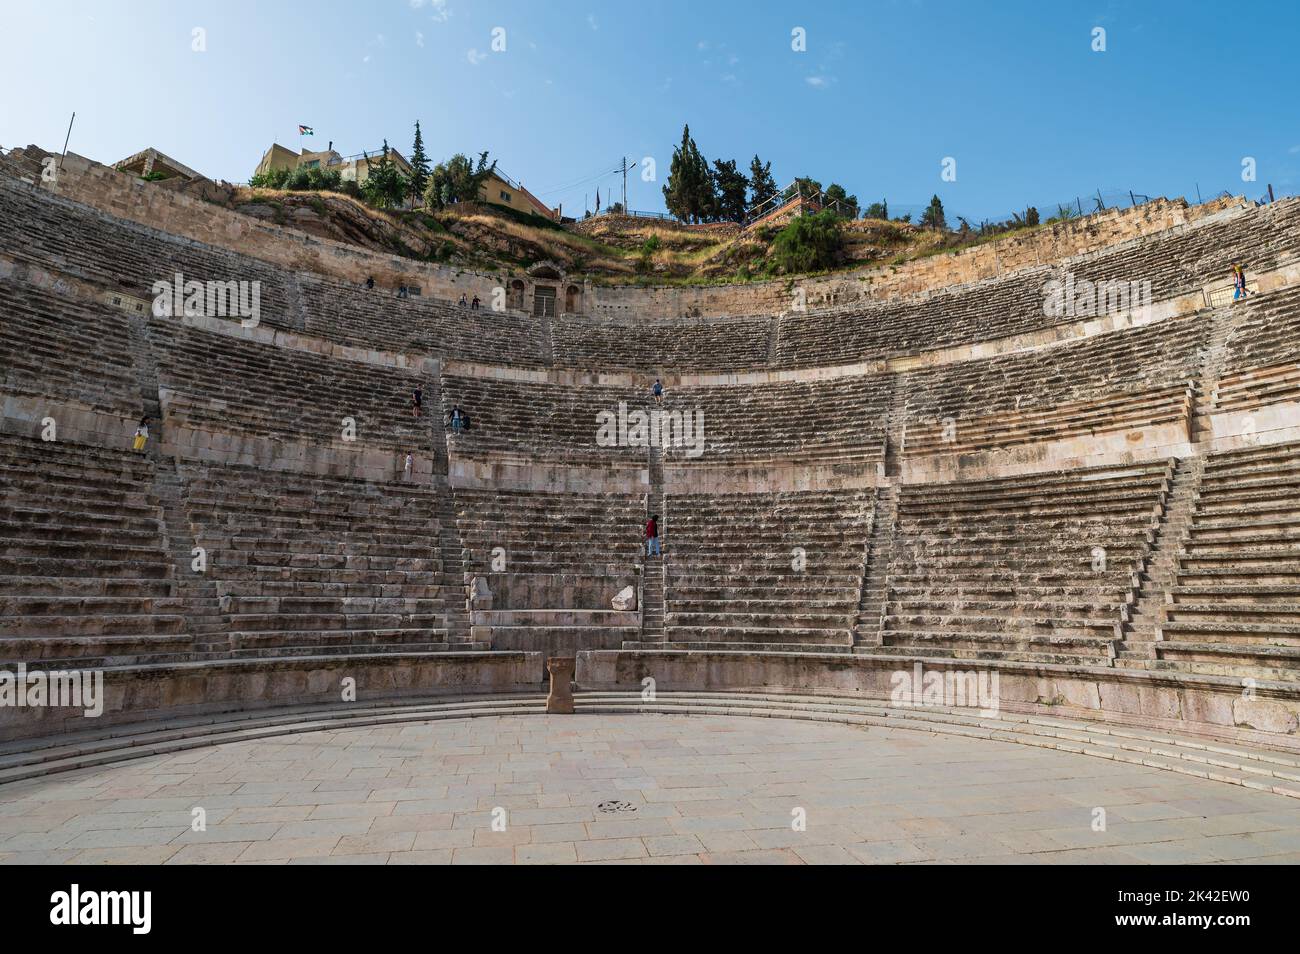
{"x":457,"y":180}
{"x":761,"y":184}
{"x":729,"y":186}
{"x":419,"y":165}
{"x":877,"y":210}
{"x":933,"y":216}
{"x":385,"y":186}
{"x":809,"y":243}
{"x":689,"y":193}
{"x":848,"y":204}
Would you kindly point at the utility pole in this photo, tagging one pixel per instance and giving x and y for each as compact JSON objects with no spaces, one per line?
{"x":66,"y":138}
{"x":625,"y":185}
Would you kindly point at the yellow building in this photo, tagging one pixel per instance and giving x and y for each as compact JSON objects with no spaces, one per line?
{"x":502,"y":190}
{"x":351,"y":168}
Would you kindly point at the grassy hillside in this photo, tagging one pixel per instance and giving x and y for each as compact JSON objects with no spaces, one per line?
{"x":612,"y":249}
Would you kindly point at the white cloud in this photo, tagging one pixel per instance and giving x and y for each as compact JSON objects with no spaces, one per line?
{"x":419,"y":38}
{"x":475,"y":57}
{"x":591,"y":21}
{"x":438,"y":9}
{"x":817,"y":82}
{"x":1294,"y":149}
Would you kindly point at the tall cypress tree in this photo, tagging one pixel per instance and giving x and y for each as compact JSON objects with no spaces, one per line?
{"x":680,"y":191}
{"x":419,"y":165}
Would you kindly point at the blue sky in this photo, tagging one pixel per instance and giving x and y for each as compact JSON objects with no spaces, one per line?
{"x":884,"y":91}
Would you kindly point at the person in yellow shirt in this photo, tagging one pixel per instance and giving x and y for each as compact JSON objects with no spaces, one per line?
{"x":142,"y":434}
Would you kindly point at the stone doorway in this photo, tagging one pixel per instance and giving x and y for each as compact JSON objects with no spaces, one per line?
{"x":544,"y":301}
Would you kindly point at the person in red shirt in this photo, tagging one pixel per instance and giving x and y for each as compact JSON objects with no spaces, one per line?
{"x":652,"y":536}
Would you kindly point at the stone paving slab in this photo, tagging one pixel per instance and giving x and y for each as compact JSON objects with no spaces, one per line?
{"x":637,"y":789}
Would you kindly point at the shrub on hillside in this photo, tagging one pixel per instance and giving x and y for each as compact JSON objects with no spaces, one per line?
{"x":810,"y":243}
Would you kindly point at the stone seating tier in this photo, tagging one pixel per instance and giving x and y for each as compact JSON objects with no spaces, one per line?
{"x":374,"y":318}
{"x":1234,"y":606}
{"x":224,"y":384}
{"x":303,"y":564}
{"x":1262,"y":364}
{"x":125,"y":256}
{"x":1132,"y":378}
{"x":1175,"y":262}
{"x":764,"y":569}
{"x":1028,"y":567}
{"x":841,"y":420}
{"x":662,"y":346}
{"x":85,"y":576}
{"x":57,"y":349}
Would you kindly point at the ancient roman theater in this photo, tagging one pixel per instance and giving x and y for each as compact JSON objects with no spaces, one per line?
{"x":987,"y":556}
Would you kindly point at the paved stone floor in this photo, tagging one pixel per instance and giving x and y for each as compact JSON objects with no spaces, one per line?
{"x":694,"y":790}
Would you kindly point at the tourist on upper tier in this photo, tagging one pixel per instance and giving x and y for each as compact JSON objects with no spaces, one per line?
{"x":407,"y":465}
{"x":401,"y":291}
{"x":1238,"y":282}
{"x":474,"y":305}
{"x":652,"y":536}
{"x":458,"y":419}
{"x":141,"y":434}
{"x":463,"y":301}
{"x":417,"y":401}
{"x":370,"y":283}
{"x":658,"y":392}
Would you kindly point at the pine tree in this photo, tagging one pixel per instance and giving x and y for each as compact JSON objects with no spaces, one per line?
{"x":761,"y":184}
{"x":933,"y":217}
{"x":419,"y":165}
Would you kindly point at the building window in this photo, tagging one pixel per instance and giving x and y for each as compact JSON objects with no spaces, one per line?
{"x":505,"y":196}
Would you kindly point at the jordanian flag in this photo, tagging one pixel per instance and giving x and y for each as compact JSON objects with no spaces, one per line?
{"x":305,"y":131}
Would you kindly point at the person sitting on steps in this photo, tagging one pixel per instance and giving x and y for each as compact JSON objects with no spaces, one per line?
{"x":658,"y":391}
{"x":417,"y":401}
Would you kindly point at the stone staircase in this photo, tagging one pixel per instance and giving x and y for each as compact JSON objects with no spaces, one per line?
{"x":1224,"y":323}
{"x":875,"y":577}
{"x":455,"y":580}
{"x":652,"y":581}
{"x":1159,"y":573}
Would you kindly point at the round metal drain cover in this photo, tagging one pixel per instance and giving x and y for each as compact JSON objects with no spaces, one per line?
{"x":615,"y":807}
